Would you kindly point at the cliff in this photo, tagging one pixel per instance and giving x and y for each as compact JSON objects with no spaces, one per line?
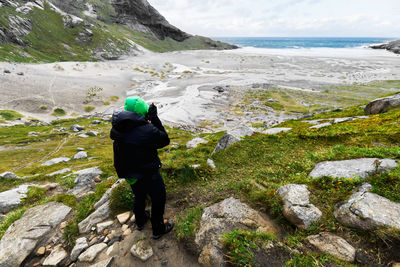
{"x":64,"y":30}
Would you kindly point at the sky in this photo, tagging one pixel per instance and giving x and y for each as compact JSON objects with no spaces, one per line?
{"x":283,"y":18}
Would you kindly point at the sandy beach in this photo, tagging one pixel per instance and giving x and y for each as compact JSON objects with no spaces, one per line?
{"x":186,"y":85}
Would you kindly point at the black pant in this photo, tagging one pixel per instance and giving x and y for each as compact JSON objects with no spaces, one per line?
{"x":152,"y":184}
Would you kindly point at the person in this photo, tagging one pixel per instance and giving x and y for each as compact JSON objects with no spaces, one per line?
{"x":137,"y":133}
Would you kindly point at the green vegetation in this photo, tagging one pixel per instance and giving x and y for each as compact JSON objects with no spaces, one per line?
{"x":43,"y":107}
{"x":188,"y":223}
{"x":11,"y":217}
{"x":10,"y":115}
{"x":59,"y":112}
{"x":242,"y":245}
{"x":89,"y":108}
{"x":71,"y":232}
{"x":114,"y":98}
{"x":92,"y":94}
{"x":121,"y":198}
{"x":35,"y":194}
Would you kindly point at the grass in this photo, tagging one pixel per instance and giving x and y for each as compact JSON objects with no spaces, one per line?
{"x":59,"y":112}
{"x":89,"y":108}
{"x":121,"y":199}
{"x":10,"y":115}
{"x":188,"y":223}
{"x":35,"y":194}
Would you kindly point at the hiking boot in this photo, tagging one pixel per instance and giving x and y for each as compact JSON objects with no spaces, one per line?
{"x":168,"y":227}
{"x":141,"y":227}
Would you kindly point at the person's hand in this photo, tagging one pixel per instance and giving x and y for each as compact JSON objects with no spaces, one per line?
{"x":152,"y":111}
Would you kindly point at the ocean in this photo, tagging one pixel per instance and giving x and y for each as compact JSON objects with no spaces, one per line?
{"x":303,"y":42}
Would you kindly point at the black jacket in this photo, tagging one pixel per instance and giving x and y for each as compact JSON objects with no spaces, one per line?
{"x":135,"y":143}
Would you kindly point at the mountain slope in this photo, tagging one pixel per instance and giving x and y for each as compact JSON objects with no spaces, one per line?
{"x":87,"y":30}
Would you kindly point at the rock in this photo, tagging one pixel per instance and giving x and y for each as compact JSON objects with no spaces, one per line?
{"x":96,"y":122}
{"x":124,"y":217}
{"x":340,"y":120}
{"x":232,"y":137}
{"x":220,"y":89}
{"x":368,"y":211}
{"x":77,"y":128}
{"x":124,"y":227}
{"x":83,"y":181}
{"x":102,"y":226}
{"x":333,"y":245}
{"x":9,"y":175}
{"x":55,"y":257}
{"x":362,"y":168}
{"x":195,"y":142}
{"x":33,"y":228}
{"x":79,"y":149}
{"x":322,"y":125}
{"x":56,"y":161}
{"x":95,"y":240}
{"x":59,"y":172}
{"x":80,"y":155}
{"x":195,"y":166}
{"x":83,"y":135}
{"x":12,"y":198}
{"x":90,"y":254}
{"x":106,"y":196}
{"x":142,"y":250}
{"x":92,"y":133}
{"x":211,"y":163}
{"x":297,"y":208}
{"x":20,"y":73}
{"x":127,"y":232}
{"x":276,"y":130}
{"x":104,"y":263}
{"x":80,"y":245}
{"x":41,"y":251}
{"x":382,"y":105}
{"x":7,"y":71}
{"x":393,"y":46}
{"x":221,"y":218}
{"x":99,"y":215}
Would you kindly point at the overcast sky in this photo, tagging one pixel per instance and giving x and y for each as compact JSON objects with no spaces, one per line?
{"x":262,"y":18}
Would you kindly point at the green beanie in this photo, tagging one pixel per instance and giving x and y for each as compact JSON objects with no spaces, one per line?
{"x":137,"y":105}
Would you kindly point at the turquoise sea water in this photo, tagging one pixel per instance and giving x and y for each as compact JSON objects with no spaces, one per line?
{"x":303,"y":42}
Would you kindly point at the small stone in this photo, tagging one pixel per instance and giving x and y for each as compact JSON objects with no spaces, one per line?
{"x":8,"y":175}
{"x":20,"y":73}
{"x":109,"y":250}
{"x":41,"y":251}
{"x":142,"y":250}
{"x":94,"y":241}
{"x":90,"y":254}
{"x":83,"y":135}
{"x":211,"y":163}
{"x":96,"y":122}
{"x":80,"y":155}
{"x":102,"y":226}
{"x":106,"y":231}
{"x":77,"y":127}
{"x":63,"y":225}
{"x":80,"y":149}
{"x":92,"y":133}
{"x":124,"y":227}
{"x":127,"y":232}
{"x":106,"y":240}
{"x":124,"y":217}
{"x":55,"y":257}
{"x":81,"y":245}
{"x":97,"y":179}
{"x":37,"y":264}
{"x":7,"y":71}
{"x":133,"y":218}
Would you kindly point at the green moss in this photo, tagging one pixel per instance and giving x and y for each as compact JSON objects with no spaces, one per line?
{"x":59,"y":112}
{"x":10,"y":115}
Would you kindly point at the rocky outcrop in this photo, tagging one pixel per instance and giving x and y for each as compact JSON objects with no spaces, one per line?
{"x":232,"y":137}
{"x":382,"y":105}
{"x":334,"y":245}
{"x":297,"y":207}
{"x":99,"y":215}
{"x":221,"y":218}
{"x":391,"y":46}
{"x":362,"y":168}
{"x":368,"y":211}
{"x":83,"y":181}
{"x":34,"y":228}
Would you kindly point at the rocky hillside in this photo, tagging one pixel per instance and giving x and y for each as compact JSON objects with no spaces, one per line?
{"x":58,"y":30}
{"x":319,"y":191}
{"x":391,"y":46}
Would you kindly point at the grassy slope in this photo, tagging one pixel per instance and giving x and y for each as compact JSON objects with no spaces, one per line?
{"x":50,"y":41}
{"x":252,"y":170}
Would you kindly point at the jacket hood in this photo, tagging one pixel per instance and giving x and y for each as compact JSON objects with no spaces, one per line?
{"x":123,"y":116}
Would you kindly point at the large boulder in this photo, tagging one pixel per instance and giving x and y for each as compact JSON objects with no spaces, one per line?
{"x":297,"y":207}
{"x":232,"y":137}
{"x":333,"y":245}
{"x":225,"y":217}
{"x":362,"y":168}
{"x":84,"y":180}
{"x":382,"y":105}
{"x":12,"y":198}
{"x":32,"y":230}
{"x":368,"y":211}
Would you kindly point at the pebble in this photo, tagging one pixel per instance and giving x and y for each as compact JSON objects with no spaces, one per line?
{"x":127,"y":232}
{"x":41,"y":251}
{"x":124,"y":217}
{"x":124,"y":227}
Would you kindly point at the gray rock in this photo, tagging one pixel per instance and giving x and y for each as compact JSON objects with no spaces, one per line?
{"x":83,"y":181}
{"x":211,"y":163}
{"x":322,"y":125}
{"x":65,"y":170}
{"x":80,"y":245}
{"x":195,"y":142}
{"x":56,"y":257}
{"x":91,"y":253}
{"x":33,"y":228}
{"x":333,"y":245}
{"x":368,"y":211}
{"x":102,"y":226}
{"x":56,"y":161}
{"x":20,"y":73}
{"x":96,"y":122}
{"x":224,"y":217}
{"x":382,"y":105}
{"x":232,"y":137}
{"x":142,"y":250}
{"x":9,"y":175}
{"x":393,"y":46}
{"x":106,"y":196}
{"x":276,"y":130}
{"x":104,"y":263}
{"x":92,"y":133}
{"x":7,"y":71}
{"x":362,"y":168}
{"x":77,"y":127}
{"x":99,"y":215}
{"x":297,"y":207}
{"x":79,"y":149}
{"x":80,"y":155}
{"x":83,"y":135}
{"x":12,"y":198}
{"x":340,"y":120}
